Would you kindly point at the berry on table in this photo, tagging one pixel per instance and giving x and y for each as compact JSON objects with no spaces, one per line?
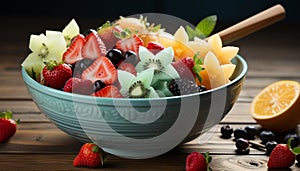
{"x":90,"y":155}
{"x":270,"y":145}
{"x":266,"y":136}
{"x":226,"y":131}
{"x":8,"y":126}
{"x":239,"y":133}
{"x":241,"y":144}
{"x":251,"y":131}
{"x":294,"y":141}
{"x":196,"y":161}
{"x":281,"y":157}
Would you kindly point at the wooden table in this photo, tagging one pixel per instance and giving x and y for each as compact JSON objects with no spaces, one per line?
{"x":272,"y":54}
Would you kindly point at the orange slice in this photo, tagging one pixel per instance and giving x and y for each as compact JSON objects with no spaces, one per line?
{"x":277,"y":106}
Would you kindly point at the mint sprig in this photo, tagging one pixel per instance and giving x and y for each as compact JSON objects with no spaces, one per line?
{"x":203,"y":29}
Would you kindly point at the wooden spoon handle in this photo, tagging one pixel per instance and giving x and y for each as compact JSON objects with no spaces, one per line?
{"x":252,"y":24}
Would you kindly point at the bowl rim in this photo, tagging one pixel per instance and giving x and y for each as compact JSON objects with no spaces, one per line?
{"x":66,"y":95}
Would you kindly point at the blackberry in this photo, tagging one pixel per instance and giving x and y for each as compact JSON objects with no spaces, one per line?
{"x":181,"y":86}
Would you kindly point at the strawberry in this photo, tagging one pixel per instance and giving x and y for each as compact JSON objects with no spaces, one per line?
{"x":8,"y":126}
{"x":109,"y":91}
{"x":155,"y":47}
{"x":90,"y":155}
{"x":197,"y":162}
{"x":94,"y":46}
{"x":101,"y":69}
{"x":79,"y":86}
{"x":124,"y":66}
{"x":281,"y":157}
{"x":189,"y":62}
{"x":56,"y":74}
{"x":107,"y":34}
{"x":73,"y":53}
{"x":132,"y":43}
{"x":183,"y":70}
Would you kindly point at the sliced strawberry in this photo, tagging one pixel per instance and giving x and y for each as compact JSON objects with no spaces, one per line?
{"x":132,"y":43}
{"x":127,"y":67}
{"x":101,"y":69}
{"x":94,"y":46}
{"x":109,"y":91}
{"x":73,"y":53}
{"x":79,"y":86}
{"x":106,"y":33}
{"x":155,"y":47}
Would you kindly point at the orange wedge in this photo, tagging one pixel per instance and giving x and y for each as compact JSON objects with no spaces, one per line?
{"x":277,"y":106}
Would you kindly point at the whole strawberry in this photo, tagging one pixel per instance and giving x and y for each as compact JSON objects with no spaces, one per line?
{"x":56,"y":74}
{"x":8,"y":126}
{"x":282,"y":156}
{"x":197,"y":162}
{"x":90,"y":155}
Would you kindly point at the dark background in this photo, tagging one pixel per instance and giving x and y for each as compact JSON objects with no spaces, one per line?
{"x":228,"y":11}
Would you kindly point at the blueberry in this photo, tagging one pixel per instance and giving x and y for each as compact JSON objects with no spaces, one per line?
{"x":81,"y":65}
{"x":295,"y":140}
{"x":131,"y":57}
{"x":239,"y":133}
{"x":226,"y":131}
{"x":115,"y":56}
{"x":98,"y":85}
{"x":241,"y":144}
{"x":270,"y":145}
{"x":202,"y":88}
{"x":251,"y":131}
{"x":266,"y":136}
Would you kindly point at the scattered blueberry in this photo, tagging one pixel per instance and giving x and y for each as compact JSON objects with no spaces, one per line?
{"x":270,"y":145}
{"x":226,"y":131}
{"x":239,"y":133}
{"x":242,"y":146}
{"x":266,"y":136}
{"x":294,"y":142}
{"x":251,"y":131}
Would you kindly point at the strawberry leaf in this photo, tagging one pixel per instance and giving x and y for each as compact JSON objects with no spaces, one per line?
{"x":197,"y":66}
{"x":207,"y":25}
{"x":6,"y":115}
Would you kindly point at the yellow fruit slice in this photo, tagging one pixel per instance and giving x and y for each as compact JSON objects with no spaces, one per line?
{"x":277,"y":106}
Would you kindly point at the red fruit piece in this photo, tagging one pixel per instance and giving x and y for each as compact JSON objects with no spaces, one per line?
{"x":127,"y":67}
{"x":155,"y":47}
{"x":73,"y":53}
{"x":109,"y":91}
{"x":79,"y":86}
{"x":101,"y":69}
{"x":196,"y":162}
{"x":183,"y":70}
{"x":281,"y":157}
{"x":189,"y":62}
{"x":90,"y":155}
{"x":106,"y":33}
{"x":56,"y":74}
{"x":8,"y":126}
{"x":132,"y":43}
{"x":94,"y":46}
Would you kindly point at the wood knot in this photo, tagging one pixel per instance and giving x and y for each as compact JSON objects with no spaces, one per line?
{"x":250,"y":162}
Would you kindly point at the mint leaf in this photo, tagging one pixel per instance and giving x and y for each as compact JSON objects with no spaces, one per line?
{"x":207,"y":25}
{"x":192,"y":33}
{"x":296,"y":150}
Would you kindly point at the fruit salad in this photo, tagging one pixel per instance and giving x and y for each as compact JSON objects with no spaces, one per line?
{"x":129,"y":58}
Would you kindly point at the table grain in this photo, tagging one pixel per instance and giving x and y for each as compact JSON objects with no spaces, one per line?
{"x":272,"y":55}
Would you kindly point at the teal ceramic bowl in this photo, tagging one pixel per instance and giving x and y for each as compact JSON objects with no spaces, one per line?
{"x":137,"y":128}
